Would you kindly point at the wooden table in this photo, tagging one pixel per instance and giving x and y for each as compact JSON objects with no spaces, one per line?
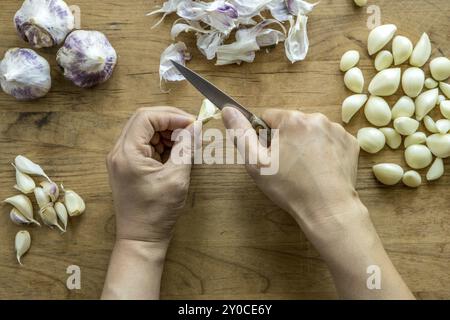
{"x":231,"y":242}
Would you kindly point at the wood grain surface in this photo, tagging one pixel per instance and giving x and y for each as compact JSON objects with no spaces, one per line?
{"x":231,"y":241}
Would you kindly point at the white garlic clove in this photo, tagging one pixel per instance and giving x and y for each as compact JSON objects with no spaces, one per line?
{"x":402,"y":48}
{"x":383,"y":60}
{"x":444,"y":106}
{"x":62,"y":214}
{"x":19,"y":219}
{"x":360,"y":3}
{"x":354,"y":80}
{"x":23,"y":204}
{"x":415,"y":138}
{"x":24,"y":183}
{"x":27,"y":166}
{"x":51,"y":189}
{"x":87,"y":58}
{"x":445,"y":88}
{"x":430,"y":125}
{"x":386,"y":82}
{"x":371,"y":140}
{"x":377,"y":111}
{"x":440,"y":68}
{"x":42,"y":198}
{"x":421,"y":52}
{"x":441,"y":98}
{"x":22,"y":244}
{"x":379,"y":37}
{"x":208,"y":111}
{"x":74,"y":203}
{"x":413,"y":80}
{"x":404,"y":107}
{"x":49,"y":217}
{"x":351,"y":106}
{"x":418,"y":156}
{"x":439,"y":144}
{"x":349,"y":60}
{"x":406,"y":126}
{"x":436,"y":170}
{"x":393,"y":138}
{"x":425,"y":102}
{"x":388,"y":173}
{"x":412,"y":179}
{"x":430,"y":83}
{"x":443,"y":126}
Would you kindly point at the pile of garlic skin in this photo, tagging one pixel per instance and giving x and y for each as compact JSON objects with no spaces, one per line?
{"x":421,"y":96}
{"x":53,"y":211}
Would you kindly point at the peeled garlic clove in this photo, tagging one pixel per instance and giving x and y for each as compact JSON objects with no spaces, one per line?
{"x":349,"y":60}
{"x":445,"y":88}
{"x":23,"y":204}
{"x":351,"y":106}
{"x":415,"y":138}
{"x":61,"y":212}
{"x":444,"y":106}
{"x":440,"y":68}
{"x":371,"y":140}
{"x":51,"y":189}
{"x":74,"y":203}
{"x":386,"y":82}
{"x":208,"y":111}
{"x":388,"y":173}
{"x":87,"y":58}
{"x":360,"y":3}
{"x":22,"y":244}
{"x":27,"y":166}
{"x":443,"y":126}
{"x":421,"y":52}
{"x":439,"y":145}
{"x":412,"y":179}
{"x":377,"y":111}
{"x":379,"y":37}
{"x":441,"y":98}
{"x":402,"y":48}
{"x":42,"y":198}
{"x":393,"y":138}
{"x":413,"y":80}
{"x":404,"y":107}
{"x":354,"y":80}
{"x":406,"y":126}
{"x":49,"y":217}
{"x":430,"y":83}
{"x":383,"y":60}
{"x":24,"y":183}
{"x":418,"y":156}
{"x":426,"y":102}
{"x":436,"y":170}
{"x":430,"y":125}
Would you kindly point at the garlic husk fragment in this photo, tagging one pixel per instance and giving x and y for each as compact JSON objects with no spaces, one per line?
{"x":371,"y":140}
{"x":22,"y":244}
{"x":444,"y":106}
{"x":24,"y":74}
{"x":421,"y":52}
{"x":24,"y":183}
{"x":42,"y":198}
{"x":51,"y":189}
{"x":62,"y":214}
{"x":23,"y":204}
{"x":393,"y":138}
{"x":351,"y":106}
{"x":439,"y":144}
{"x":406,"y":126}
{"x":354,"y":80}
{"x":436,"y":170}
{"x":445,"y":88}
{"x":208,"y":111}
{"x":87,"y":58}
{"x":49,"y":217}
{"x":386,"y":82}
{"x":418,"y":156}
{"x":430,"y":83}
{"x":74,"y":203}
{"x":440,"y":68}
{"x":377,"y":111}
{"x":413,"y":80}
{"x":415,"y":138}
{"x":443,"y":126}
{"x":379,"y":37}
{"x":402,"y":48}
{"x":383,"y":60}
{"x":425,"y":102}
{"x":27,"y":166}
{"x":178,"y":53}
{"x":412,"y":179}
{"x":349,"y":60}
{"x":19,"y":219}
{"x":404,"y":107}
{"x":430,"y":125}
{"x":388,"y":173}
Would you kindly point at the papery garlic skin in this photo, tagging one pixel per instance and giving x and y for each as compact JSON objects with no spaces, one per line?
{"x":402,"y":48}
{"x":27,"y":166}
{"x":24,"y":74}
{"x":386,"y":82}
{"x":178,"y":53}
{"x":415,"y":138}
{"x":87,"y":58}
{"x":62,"y":214}
{"x":22,"y":244}
{"x":404,"y":107}
{"x":413,"y":80}
{"x":439,"y":144}
{"x":412,"y":179}
{"x":24,"y":183}
{"x":444,"y":106}
{"x":445,"y":88}
{"x":383,"y":60}
{"x":297,"y":42}
{"x":74,"y":203}
{"x":42,"y":198}
{"x":388,"y":173}
{"x":371,"y":140}
{"x":418,"y":156}
{"x":426,"y":102}
{"x":393,"y":138}
{"x":354,"y":80}
{"x":430,"y":125}
{"x":440,"y":68}
{"x":51,"y":189}
{"x":406,"y":126}
{"x":421,"y":52}
{"x":379,"y":37}
{"x":430,"y":83}
{"x":50,"y":218}
{"x":349,"y":60}
{"x":377,"y":111}
{"x":44,"y":23}
{"x":436,"y":170}
{"x":352,"y":105}
{"x":208,"y":111}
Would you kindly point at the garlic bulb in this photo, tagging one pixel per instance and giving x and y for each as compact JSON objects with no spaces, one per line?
{"x":208,"y":111}
{"x":430,"y":125}
{"x":74,"y":203}
{"x":443,"y":126}
{"x":351,"y":106}
{"x":87,"y":58}
{"x":23,"y":204}
{"x":430,"y":83}
{"x":404,"y":107}
{"x":377,"y":111}
{"x":415,"y":138}
{"x":426,"y":102}
{"x":413,"y":80}
{"x":421,"y":52}
{"x":444,"y":106}
{"x":440,"y":68}
{"x":441,"y":98}
{"x":354,"y":80}
{"x":61,"y":212}
{"x":383,"y":60}
{"x":44,"y":23}
{"x":27,"y":166}
{"x":439,"y":145}
{"x":349,"y":60}
{"x":445,"y":88}
{"x":406,"y":126}
{"x":386,"y":82}
{"x":49,"y":217}
{"x":379,"y":37}
{"x":393,"y":138}
{"x":24,"y":74}
{"x":371,"y":140}
{"x":22,"y":244}
{"x":24,"y":183}
{"x":436,"y":170}
{"x":388,"y":173}
{"x":51,"y":189}
{"x":412,"y":179}
{"x":418,"y":156}
{"x":402,"y":48}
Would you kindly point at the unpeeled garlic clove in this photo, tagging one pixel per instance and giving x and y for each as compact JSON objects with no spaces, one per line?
{"x":23,"y":204}
{"x":377,"y":111}
{"x":402,"y":48}
{"x":19,"y":218}
{"x":430,"y":125}
{"x":354,"y":80}
{"x":421,"y":52}
{"x":74,"y":203}
{"x":436,"y":170}
{"x":425,"y":102}
{"x":383,"y":60}
{"x":443,"y":126}
{"x":24,"y":183}
{"x":371,"y":140}
{"x":406,"y":126}
{"x":430,"y":83}
{"x":49,"y":217}
{"x":349,"y":60}
{"x":439,"y":144}
{"x":412,"y":179}
{"x":404,"y":107}
{"x":440,"y":68}
{"x":360,"y":3}
{"x":386,"y":82}
{"x":415,"y":138}
{"x":388,"y":173}
{"x":413,"y":80}
{"x":51,"y":189}
{"x":27,"y":166}
{"x":22,"y":244}
{"x":444,"y":106}
{"x":351,"y":106}
{"x":393,"y":138}
{"x":445,"y":88}
{"x":418,"y":156}
{"x":61,"y":212}
{"x":42,"y":198}
{"x":379,"y":37}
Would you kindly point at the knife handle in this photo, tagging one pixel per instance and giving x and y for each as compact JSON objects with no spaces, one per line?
{"x":259,"y":124}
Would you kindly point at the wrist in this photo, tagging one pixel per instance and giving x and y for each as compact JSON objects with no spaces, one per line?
{"x":151,"y":252}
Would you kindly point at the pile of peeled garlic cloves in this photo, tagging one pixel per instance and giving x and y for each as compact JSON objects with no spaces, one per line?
{"x":54,"y":209}
{"x":423,"y":148}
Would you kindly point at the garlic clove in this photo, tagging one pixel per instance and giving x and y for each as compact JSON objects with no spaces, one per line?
{"x":412,"y":179}
{"x":413,"y":80}
{"x":208,"y":111}
{"x":19,"y":219}
{"x":371,"y":140}
{"x":418,"y":156}
{"x":74,"y":203}
{"x":402,"y":48}
{"x":22,"y":244}
{"x":444,"y":106}
{"x":23,"y":204}
{"x":439,"y":144}
{"x":379,"y":37}
{"x":440,"y":68}
{"x":443,"y":126}
{"x":421,"y":52}
{"x":51,"y":189}
{"x":24,"y":183}
{"x":49,"y":217}
{"x":406,"y":126}
{"x":386,"y":82}
{"x":393,"y":138}
{"x":415,"y":138}
{"x":61,"y":212}
{"x":27,"y":166}
{"x":425,"y":102}
{"x":404,"y":107}
{"x":351,"y":106}
{"x":436,"y":170}
{"x":349,"y":60}
{"x":42,"y":198}
{"x":354,"y":80}
{"x":377,"y":111}
{"x":360,"y":3}
{"x":388,"y":173}
{"x":430,"y":125}
{"x":445,"y":88}
{"x":430,"y":83}
{"x":383,"y":60}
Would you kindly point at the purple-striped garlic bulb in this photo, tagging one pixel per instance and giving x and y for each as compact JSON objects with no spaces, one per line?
{"x":44,"y":23}
{"x":24,"y":74}
{"x":87,"y":58}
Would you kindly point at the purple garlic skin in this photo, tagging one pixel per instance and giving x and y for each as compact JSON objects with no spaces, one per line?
{"x":24,"y":74}
{"x":44,"y":23}
{"x":87,"y":58}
